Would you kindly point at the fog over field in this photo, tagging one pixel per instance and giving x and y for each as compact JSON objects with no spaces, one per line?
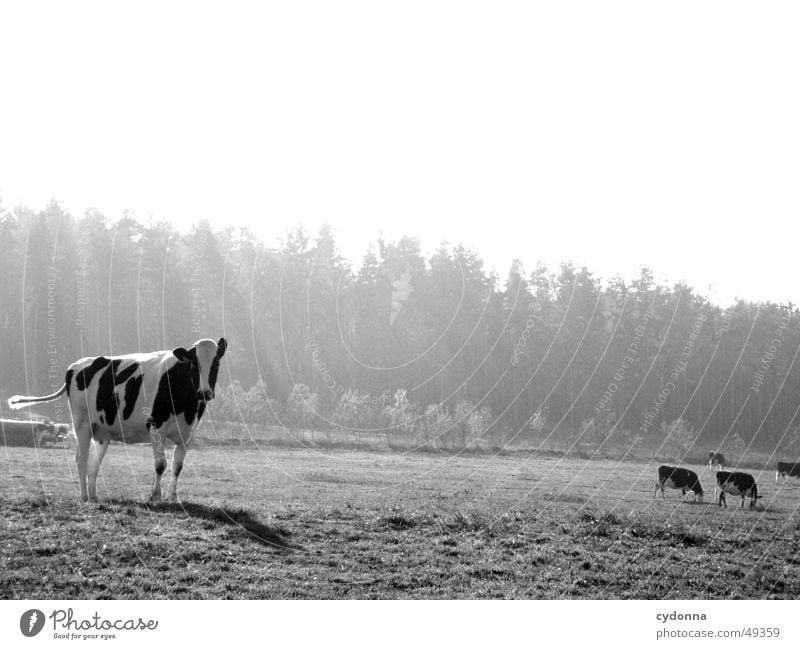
{"x":436,"y":349}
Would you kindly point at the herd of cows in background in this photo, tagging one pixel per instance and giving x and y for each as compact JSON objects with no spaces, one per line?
{"x":157,"y":396}
{"x":735,"y":483}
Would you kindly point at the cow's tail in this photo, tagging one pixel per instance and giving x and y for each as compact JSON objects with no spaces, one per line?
{"x":19,"y":401}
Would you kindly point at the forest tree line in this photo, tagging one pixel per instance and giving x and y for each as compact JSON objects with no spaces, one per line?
{"x":316,"y":340}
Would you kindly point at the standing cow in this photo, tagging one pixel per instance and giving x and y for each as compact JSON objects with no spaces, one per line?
{"x":150,"y":397}
{"x":737,"y":484}
{"x":678,"y":478}
{"x":716,"y":460}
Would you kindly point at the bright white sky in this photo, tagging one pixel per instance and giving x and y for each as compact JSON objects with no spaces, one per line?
{"x":613,"y":134}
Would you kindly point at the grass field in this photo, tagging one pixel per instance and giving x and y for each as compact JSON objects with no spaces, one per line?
{"x":262,"y":523}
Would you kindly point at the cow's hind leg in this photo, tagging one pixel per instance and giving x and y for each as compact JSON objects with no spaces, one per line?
{"x":160,"y":460}
{"x":83,"y":436}
{"x":95,"y":460}
{"x":178,"y":456}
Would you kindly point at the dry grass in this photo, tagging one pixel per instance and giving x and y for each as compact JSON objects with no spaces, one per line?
{"x":300,"y":523}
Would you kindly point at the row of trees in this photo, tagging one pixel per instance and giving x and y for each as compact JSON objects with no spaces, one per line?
{"x":390,"y":418}
{"x":554,"y":349}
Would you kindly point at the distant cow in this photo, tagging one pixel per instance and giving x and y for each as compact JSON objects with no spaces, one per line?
{"x":787,"y":469}
{"x":136,"y":398}
{"x":51,"y":434}
{"x":737,"y":484}
{"x":716,"y":460}
{"x":678,"y":478}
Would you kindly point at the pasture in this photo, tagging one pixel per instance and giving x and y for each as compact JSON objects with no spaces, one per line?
{"x":261,"y":522}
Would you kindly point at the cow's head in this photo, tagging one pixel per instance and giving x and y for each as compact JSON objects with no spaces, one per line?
{"x":204,"y":358}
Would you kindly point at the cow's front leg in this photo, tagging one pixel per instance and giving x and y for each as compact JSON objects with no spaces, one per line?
{"x":160,"y":459}
{"x":82,"y":460}
{"x":178,"y":456}
{"x":95,"y":460}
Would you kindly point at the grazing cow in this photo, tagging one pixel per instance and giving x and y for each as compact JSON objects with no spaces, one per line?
{"x":736,"y":484}
{"x":51,"y":434}
{"x":137,"y":398}
{"x":716,"y":460}
{"x":678,"y":478}
{"x":787,"y":469}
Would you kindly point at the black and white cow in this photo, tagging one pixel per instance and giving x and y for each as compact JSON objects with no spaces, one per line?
{"x":150,"y":397}
{"x":678,"y":478}
{"x":736,"y":484}
{"x":716,"y":460}
{"x":787,"y":469}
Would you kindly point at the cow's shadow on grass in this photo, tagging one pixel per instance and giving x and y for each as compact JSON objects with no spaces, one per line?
{"x":236,"y":518}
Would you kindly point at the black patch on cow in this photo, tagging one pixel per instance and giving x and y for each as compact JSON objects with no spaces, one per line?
{"x":742,"y":481}
{"x":125,"y":374}
{"x":107,"y":401}
{"x":68,"y":380}
{"x":85,"y":376}
{"x":132,"y":388}
{"x":177,"y":394}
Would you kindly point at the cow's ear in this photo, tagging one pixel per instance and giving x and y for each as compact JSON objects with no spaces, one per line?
{"x":222,"y":345}
{"x":183,"y":355}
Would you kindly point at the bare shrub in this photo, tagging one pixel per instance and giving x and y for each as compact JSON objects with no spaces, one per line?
{"x":302,"y":407}
{"x":678,"y":438}
{"x":401,"y":416}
